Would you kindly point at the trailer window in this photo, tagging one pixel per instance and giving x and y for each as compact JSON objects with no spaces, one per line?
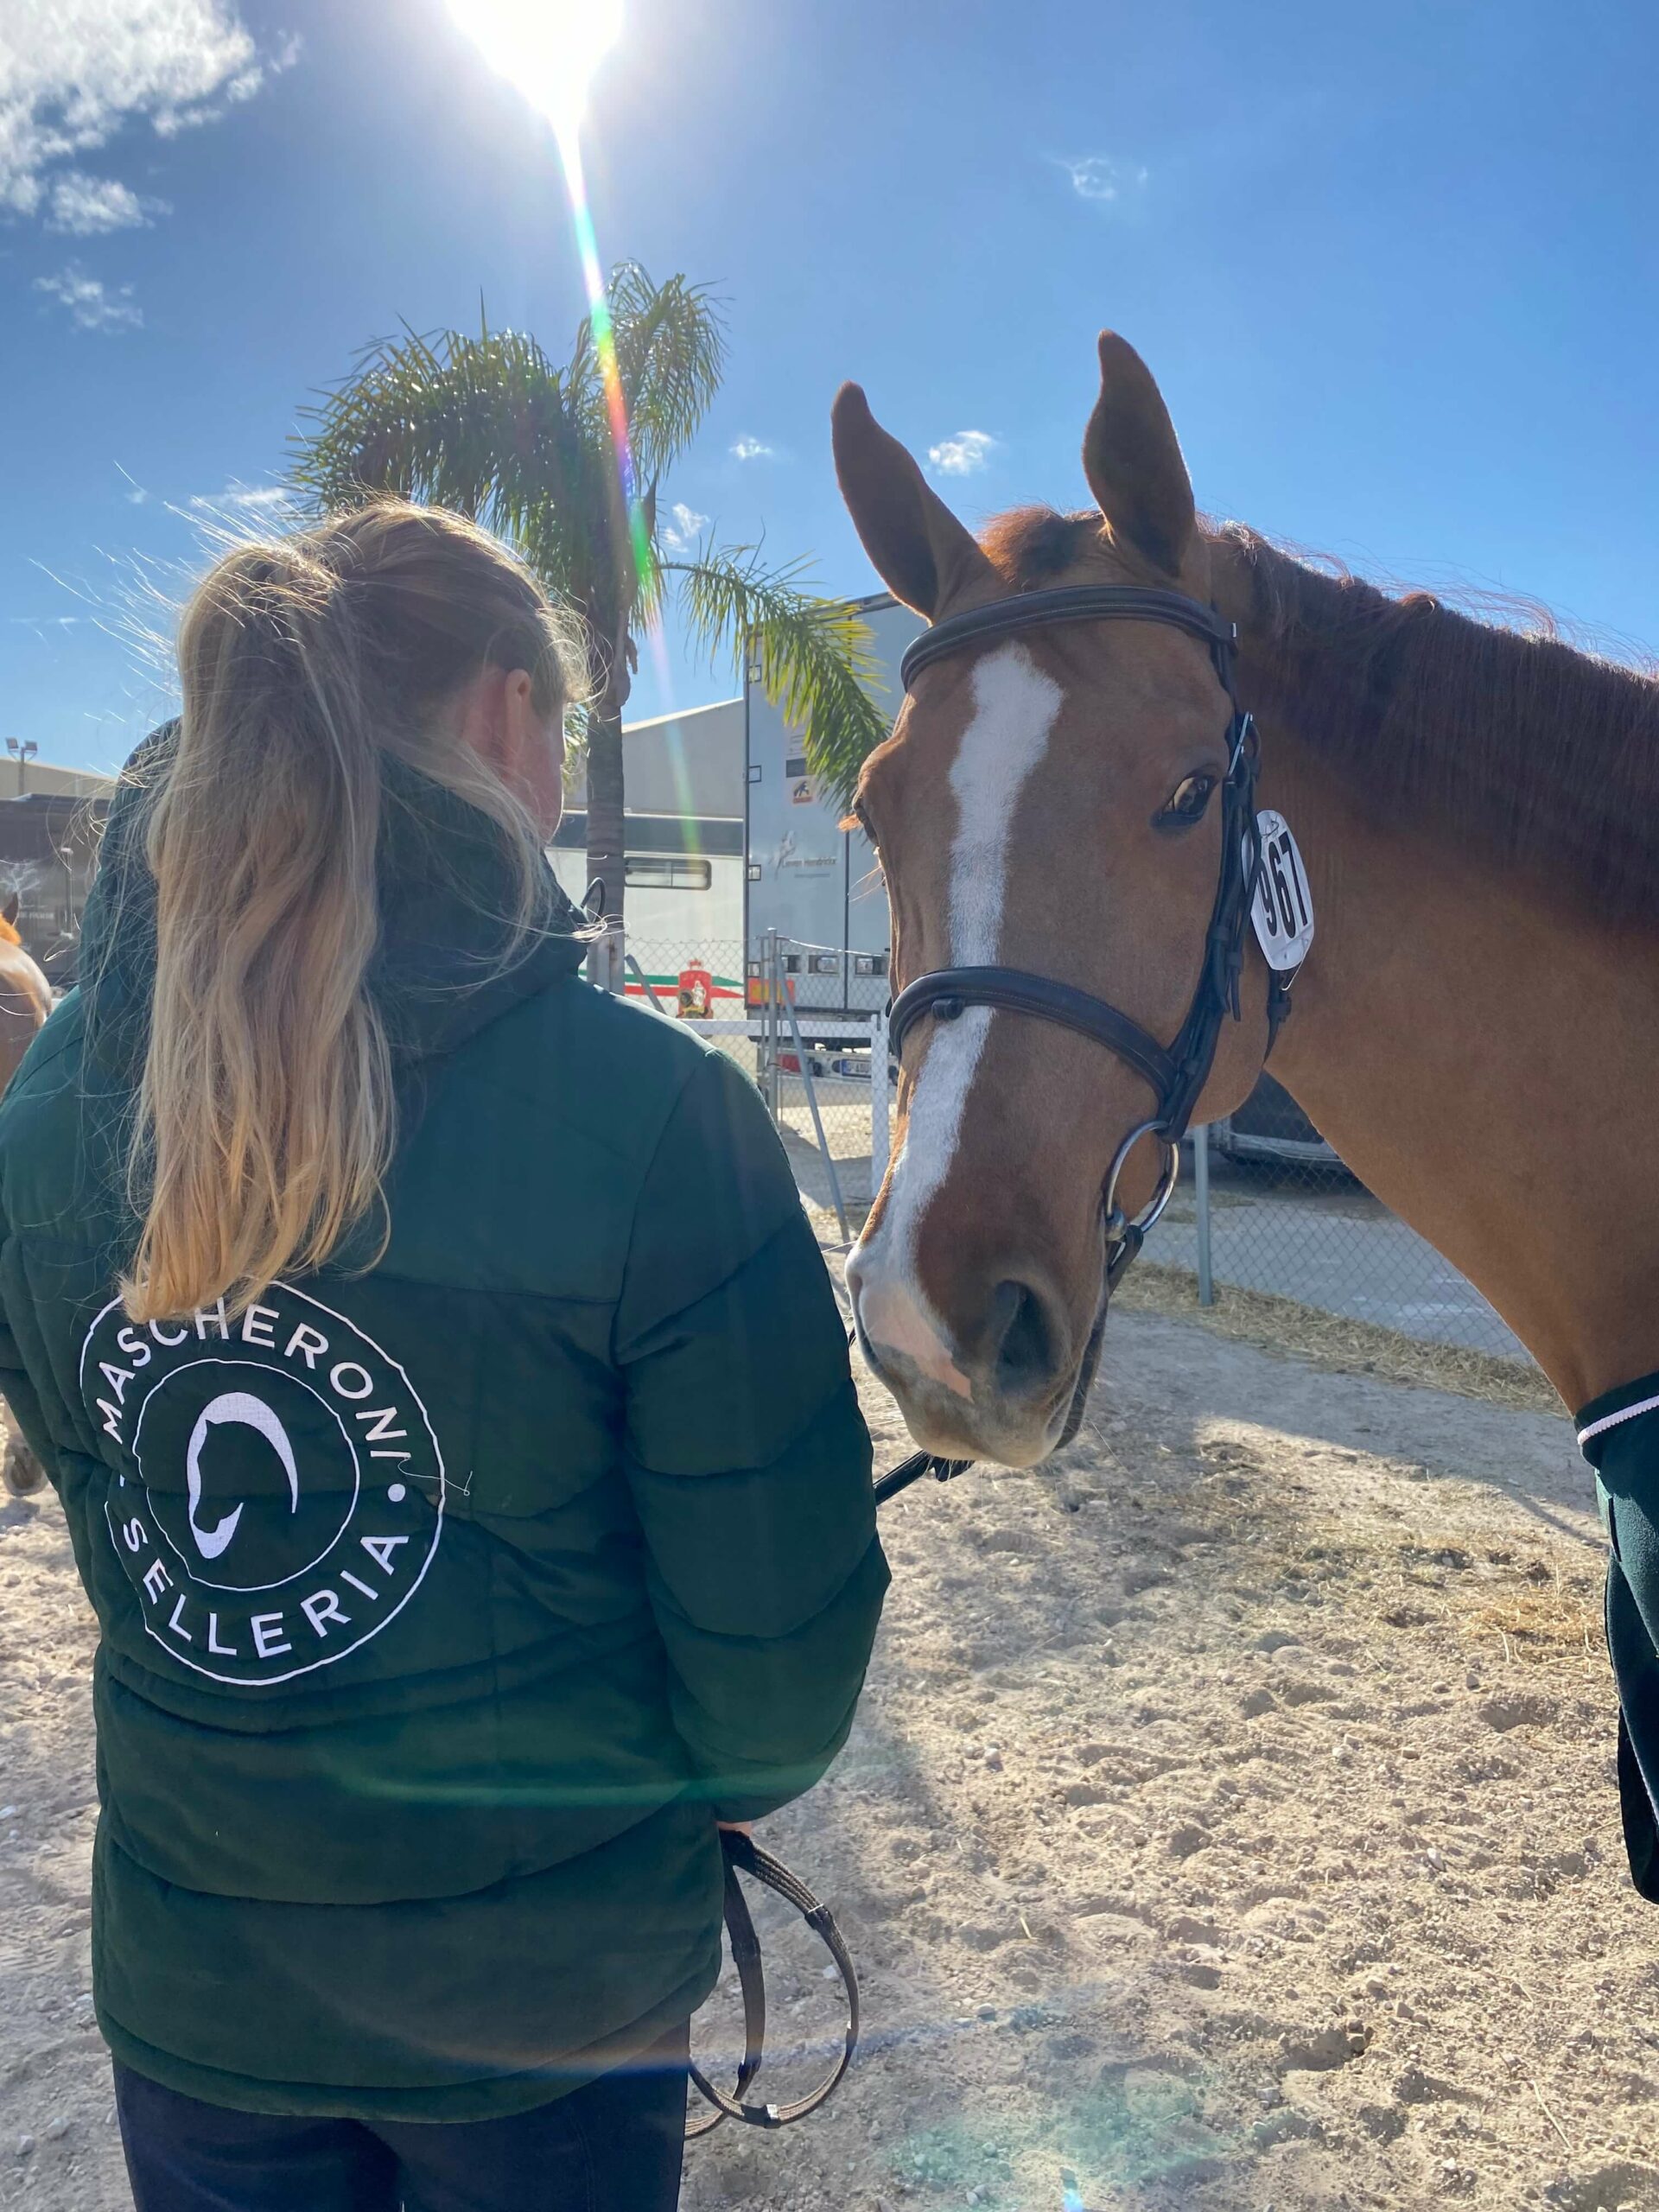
{"x":669,"y":872}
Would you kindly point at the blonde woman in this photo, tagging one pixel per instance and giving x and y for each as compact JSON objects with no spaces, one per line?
{"x":452,"y":1417}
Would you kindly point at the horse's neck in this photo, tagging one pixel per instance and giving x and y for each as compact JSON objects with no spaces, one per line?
{"x":1488,"y":1063}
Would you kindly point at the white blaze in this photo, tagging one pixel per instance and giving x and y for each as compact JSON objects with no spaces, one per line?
{"x":1016,"y":706}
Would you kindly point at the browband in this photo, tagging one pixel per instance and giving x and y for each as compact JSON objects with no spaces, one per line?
{"x":948,"y":993}
{"x":1003,"y":618}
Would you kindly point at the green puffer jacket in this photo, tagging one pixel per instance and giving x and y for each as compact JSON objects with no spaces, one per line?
{"x":446,"y":1601}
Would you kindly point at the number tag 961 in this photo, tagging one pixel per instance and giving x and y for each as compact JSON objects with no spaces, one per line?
{"x":1282,"y":909}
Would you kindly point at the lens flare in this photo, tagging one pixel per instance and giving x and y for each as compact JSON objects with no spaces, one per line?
{"x":550,"y":49}
{"x":598,"y":311}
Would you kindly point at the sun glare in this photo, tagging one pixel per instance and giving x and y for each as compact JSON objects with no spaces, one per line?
{"x":549,"y":48}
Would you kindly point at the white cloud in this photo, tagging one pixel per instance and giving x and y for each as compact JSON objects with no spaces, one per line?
{"x":89,"y":302}
{"x":73,"y":72}
{"x":87,"y":206}
{"x":1095,"y":177}
{"x":254,"y":501}
{"x":963,"y":455}
{"x":749,"y":448}
{"x":685,"y":530}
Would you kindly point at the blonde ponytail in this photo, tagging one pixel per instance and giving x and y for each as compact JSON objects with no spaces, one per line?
{"x":265,"y":1119}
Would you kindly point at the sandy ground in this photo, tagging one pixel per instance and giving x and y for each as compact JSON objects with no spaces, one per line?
{"x":1230,"y":1821}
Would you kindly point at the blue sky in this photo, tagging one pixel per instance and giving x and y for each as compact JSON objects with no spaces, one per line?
{"x":1394,"y":268}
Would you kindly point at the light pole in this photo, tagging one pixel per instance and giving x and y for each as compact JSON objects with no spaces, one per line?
{"x":23,"y":753}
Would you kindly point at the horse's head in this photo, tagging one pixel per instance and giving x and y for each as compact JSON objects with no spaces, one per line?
{"x":1048,"y":802}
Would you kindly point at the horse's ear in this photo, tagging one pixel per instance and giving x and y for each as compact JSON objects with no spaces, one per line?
{"x":1134,"y":463}
{"x":918,"y":549}
{"x":8,"y":912}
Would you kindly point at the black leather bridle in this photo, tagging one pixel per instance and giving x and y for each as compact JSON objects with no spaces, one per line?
{"x":1175,"y":1073}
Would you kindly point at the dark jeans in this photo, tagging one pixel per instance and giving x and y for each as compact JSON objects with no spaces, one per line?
{"x":612,"y":2146}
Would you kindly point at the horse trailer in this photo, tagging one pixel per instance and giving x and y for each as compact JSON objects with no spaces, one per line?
{"x":811,"y":876}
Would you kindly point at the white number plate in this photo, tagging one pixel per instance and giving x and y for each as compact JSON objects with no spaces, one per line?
{"x":1282,"y":909}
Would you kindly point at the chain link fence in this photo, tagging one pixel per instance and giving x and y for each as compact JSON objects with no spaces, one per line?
{"x":1302,"y":1230}
{"x":808,"y":1023}
{"x":825,"y":1069}
{"x":1265,"y":1215}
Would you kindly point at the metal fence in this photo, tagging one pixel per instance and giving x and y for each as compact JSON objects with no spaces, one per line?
{"x":825,"y":1069}
{"x":1308,"y":1231}
{"x":809,"y":1023}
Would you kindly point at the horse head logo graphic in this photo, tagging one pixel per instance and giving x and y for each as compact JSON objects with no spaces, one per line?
{"x":252,"y":1413}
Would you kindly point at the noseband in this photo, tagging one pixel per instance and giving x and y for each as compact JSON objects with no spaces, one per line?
{"x":1175,"y":1073}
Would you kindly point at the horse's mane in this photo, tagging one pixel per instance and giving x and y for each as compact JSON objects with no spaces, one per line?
{"x":1539,"y":758}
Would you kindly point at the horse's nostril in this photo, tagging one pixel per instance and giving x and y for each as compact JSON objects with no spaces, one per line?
{"x":1027,"y":1351}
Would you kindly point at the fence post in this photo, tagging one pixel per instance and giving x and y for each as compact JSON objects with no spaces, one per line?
{"x":608,"y":957}
{"x":1201,"y":1204}
{"x":880,"y":1102}
{"x":817,"y":1119}
{"x":772,"y":972}
{"x":638,"y":973}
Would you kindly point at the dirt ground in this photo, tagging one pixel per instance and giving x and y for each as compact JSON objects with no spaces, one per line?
{"x":1230,"y":1822}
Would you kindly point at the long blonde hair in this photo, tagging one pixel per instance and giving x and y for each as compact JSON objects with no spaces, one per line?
{"x":265,"y":1123}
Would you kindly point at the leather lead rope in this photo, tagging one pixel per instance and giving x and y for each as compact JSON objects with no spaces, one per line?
{"x":912,"y":1470}
{"x":744,"y":1855}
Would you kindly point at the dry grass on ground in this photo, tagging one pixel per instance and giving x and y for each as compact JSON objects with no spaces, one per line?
{"x":1331,"y":1339}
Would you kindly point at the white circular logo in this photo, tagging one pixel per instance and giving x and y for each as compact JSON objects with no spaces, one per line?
{"x":279,"y":1491}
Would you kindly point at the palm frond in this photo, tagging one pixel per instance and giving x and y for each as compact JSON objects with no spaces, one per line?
{"x":670,"y":355}
{"x":814,"y":657}
{"x":483,"y":425}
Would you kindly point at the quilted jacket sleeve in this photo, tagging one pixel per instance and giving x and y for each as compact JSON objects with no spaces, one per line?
{"x":23,"y":1399}
{"x":30,"y":1418}
{"x":748,"y":1458}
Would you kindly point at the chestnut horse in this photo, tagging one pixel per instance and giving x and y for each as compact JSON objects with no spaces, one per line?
{"x":25,"y":1001}
{"x":1476,"y":1026}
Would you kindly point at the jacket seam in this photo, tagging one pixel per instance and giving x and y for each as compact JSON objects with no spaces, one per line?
{"x":380,"y":1273}
{"x":708,"y":1290}
{"x":635,"y":1465}
{"x":734,"y":1639}
{"x":694,"y":1074}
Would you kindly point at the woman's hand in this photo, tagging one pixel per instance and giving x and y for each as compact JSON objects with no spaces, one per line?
{"x":736,"y":1828}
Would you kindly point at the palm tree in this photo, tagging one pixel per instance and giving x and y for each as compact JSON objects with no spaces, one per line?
{"x":490,"y":426}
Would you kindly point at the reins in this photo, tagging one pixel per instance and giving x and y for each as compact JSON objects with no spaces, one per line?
{"x":1175,"y":1074}
{"x":744,"y":1855}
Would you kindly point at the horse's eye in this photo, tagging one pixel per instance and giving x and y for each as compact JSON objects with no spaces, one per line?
{"x":1187,"y":802}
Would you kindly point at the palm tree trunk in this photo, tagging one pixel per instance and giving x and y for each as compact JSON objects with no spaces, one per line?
{"x":607,"y":838}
